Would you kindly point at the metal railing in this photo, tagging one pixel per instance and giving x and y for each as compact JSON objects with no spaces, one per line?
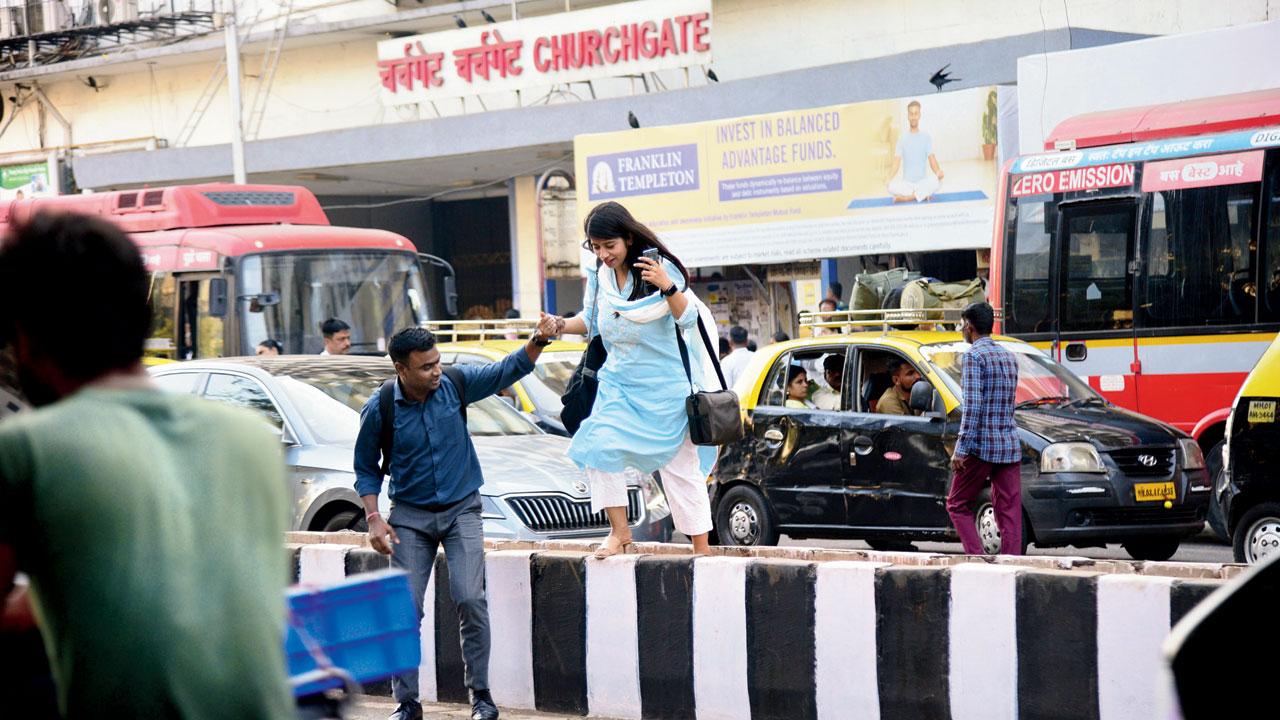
{"x":459,"y":330}
{"x":886,"y":319}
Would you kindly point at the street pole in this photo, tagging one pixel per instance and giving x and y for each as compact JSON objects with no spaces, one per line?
{"x":233,"y":89}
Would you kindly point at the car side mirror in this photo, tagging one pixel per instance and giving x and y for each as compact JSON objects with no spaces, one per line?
{"x":922,"y":397}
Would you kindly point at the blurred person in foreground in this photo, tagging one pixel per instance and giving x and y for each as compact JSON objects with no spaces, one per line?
{"x":150,"y":524}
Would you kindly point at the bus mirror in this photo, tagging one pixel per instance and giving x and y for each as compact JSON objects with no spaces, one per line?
{"x":451,"y":296}
{"x":218,"y":297}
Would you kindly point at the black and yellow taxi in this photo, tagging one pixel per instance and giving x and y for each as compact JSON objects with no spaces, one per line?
{"x":829,"y":453}
{"x":537,"y":395}
{"x":1248,"y":490}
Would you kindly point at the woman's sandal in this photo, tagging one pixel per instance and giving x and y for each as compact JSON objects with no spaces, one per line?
{"x":604,"y":551}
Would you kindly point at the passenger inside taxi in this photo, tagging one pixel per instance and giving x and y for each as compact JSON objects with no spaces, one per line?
{"x":828,"y":398}
{"x":895,"y":399}
{"x":797,"y":388}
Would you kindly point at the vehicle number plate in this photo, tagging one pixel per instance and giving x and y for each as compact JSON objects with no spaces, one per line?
{"x":1154,"y":492}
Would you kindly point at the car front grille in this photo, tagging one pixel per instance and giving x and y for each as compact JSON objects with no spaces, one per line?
{"x":558,"y":513}
{"x":1144,"y":462}
{"x":1113,"y":516}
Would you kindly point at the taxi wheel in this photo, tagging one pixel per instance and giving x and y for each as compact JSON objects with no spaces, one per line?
{"x":1156,"y":549}
{"x":1213,"y":463}
{"x":1258,"y":533}
{"x":989,"y":531}
{"x":743,"y":518}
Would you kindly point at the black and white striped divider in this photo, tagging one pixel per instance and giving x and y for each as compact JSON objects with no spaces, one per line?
{"x":740,"y":638}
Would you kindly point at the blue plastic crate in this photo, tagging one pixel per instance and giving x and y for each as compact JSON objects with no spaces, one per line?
{"x":366,"y":624}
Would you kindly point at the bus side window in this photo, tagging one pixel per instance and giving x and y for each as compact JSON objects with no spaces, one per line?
{"x":1097,"y":290}
{"x":1269,"y":285}
{"x":1200,"y":257}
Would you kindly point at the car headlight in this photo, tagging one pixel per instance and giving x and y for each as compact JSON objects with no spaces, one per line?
{"x":1071,"y":457}
{"x":652,"y":491}
{"x":1192,"y":455}
{"x":489,"y":509}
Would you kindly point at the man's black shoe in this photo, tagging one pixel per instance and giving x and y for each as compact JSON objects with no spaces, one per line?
{"x":482,"y":707}
{"x":408,"y":710}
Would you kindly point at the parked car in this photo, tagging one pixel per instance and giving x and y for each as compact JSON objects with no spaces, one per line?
{"x":531,"y":490}
{"x":537,"y":394}
{"x":1248,"y":490}
{"x":1092,"y":473}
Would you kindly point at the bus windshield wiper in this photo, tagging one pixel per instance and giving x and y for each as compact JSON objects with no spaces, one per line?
{"x":1037,"y":402}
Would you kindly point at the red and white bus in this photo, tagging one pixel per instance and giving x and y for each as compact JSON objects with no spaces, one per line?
{"x":1143,"y":251}
{"x":233,"y":265}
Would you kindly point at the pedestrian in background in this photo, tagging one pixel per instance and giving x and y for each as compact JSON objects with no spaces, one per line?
{"x":435,"y":489}
{"x":149,"y":523}
{"x":269,"y":347}
{"x":988,"y":447}
{"x":781,"y":337}
{"x":337,"y":337}
{"x":835,"y":291}
{"x":736,"y":361}
{"x":638,"y":423}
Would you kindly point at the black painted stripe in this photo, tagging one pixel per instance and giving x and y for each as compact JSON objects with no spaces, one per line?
{"x":913,"y":610}
{"x":780,"y":640}
{"x":1184,"y":595}
{"x":664,"y":623}
{"x":1057,"y":626}
{"x":559,"y":632}
{"x":450,"y":677}
{"x":365,"y":560}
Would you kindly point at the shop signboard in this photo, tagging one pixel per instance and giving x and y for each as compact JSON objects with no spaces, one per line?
{"x":25,"y":180}
{"x":824,"y":182}
{"x":611,"y":41}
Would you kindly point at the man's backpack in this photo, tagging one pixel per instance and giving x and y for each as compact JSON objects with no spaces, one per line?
{"x":386,"y":409}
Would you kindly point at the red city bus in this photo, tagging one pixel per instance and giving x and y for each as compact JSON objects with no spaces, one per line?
{"x":233,"y":265}
{"x":1143,"y":252}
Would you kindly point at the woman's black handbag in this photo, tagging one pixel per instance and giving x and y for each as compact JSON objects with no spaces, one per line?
{"x":715,"y":418}
{"x":580,"y":392}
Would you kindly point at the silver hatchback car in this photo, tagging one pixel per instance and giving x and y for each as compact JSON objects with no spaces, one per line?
{"x":531,"y":490}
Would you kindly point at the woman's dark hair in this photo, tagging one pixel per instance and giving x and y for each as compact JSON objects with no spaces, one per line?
{"x":795,"y":371}
{"x":272,"y":345}
{"x":610,"y":220}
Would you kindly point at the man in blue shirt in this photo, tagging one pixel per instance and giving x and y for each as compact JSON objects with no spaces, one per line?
{"x":435,"y":491}
{"x":921,"y":174}
{"x":988,"y":446}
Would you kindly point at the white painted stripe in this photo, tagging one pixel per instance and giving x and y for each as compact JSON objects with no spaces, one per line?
{"x":427,"y":689}
{"x":1133,"y":622}
{"x":984,"y":642}
{"x":719,"y":638}
{"x":510,"y":594}
{"x":322,"y":563}
{"x":613,"y":645}
{"x":844,"y":630}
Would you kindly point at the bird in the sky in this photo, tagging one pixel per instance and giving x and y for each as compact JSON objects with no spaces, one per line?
{"x":711,"y":75}
{"x":942,"y":77}
{"x":487,"y":17}
{"x":631,"y":119}
{"x":457,"y":19}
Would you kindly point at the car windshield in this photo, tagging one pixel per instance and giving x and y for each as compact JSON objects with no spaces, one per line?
{"x":550,"y":380}
{"x":330,"y":400}
{"x":1041,"y":381}
{"x":376,"y":293}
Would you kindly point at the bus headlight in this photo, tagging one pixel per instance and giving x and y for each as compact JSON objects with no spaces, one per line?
{"x":1071,"y":457}
{"x":1192,"y":455}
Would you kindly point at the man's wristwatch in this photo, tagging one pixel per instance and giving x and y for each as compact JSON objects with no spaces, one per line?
{"x":541,"y":341}
{"x":671,"y":290}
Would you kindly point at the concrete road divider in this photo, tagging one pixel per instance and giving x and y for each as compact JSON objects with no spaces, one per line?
{"x":804,"y":633}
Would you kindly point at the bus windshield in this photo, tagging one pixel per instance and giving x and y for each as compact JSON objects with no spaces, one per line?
{"x":376,"y":293}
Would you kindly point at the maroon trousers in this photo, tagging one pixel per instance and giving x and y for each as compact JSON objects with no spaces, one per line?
{"x":1006,"y":496}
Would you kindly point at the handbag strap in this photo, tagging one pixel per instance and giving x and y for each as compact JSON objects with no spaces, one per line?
{"x":684,"y":354}
{"x":595,"y":305}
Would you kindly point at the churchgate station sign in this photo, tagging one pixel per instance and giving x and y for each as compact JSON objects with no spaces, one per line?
{"x":623,"y":39}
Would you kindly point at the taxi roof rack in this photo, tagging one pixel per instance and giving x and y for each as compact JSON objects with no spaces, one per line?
{"x":460,"y":330}
{"x":885,"y":319}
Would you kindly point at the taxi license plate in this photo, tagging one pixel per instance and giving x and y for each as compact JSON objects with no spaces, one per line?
{"x":1154,"y":492}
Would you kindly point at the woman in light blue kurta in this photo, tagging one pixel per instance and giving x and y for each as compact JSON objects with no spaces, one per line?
{"x":638,"y":422}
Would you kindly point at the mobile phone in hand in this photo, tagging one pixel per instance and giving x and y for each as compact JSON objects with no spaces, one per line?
{"x":656,"y":256}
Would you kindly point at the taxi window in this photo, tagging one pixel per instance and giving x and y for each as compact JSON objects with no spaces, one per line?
{"x":823,"y":370}
{"x":875,"y":376}
{"x":773,"y":393}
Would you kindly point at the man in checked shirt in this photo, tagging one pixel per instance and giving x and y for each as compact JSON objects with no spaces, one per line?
{"x":988,"y":446}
